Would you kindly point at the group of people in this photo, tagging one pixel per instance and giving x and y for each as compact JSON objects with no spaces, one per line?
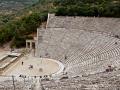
{"x":30,"y":66}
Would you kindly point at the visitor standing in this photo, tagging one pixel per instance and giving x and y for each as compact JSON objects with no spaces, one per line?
{"x":22,"y":63}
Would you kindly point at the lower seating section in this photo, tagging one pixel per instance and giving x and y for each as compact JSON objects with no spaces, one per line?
{"x":101,"y":81}
{"x":16,"y":83}
{"x":82,"y":52}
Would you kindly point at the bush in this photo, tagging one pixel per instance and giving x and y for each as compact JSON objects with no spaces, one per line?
{"x":20,"y":29}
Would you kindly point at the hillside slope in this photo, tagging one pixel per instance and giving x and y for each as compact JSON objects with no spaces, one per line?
{"x":11,"y":6}
{"x":18,"y":26}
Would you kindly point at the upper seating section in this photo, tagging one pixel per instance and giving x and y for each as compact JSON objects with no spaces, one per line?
{"x":109,"y":25}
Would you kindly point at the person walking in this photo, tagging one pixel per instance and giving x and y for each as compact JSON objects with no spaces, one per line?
{"x":22,"y":63}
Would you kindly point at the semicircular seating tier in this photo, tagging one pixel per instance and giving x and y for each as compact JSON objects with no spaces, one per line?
{"x":82,"y":52}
